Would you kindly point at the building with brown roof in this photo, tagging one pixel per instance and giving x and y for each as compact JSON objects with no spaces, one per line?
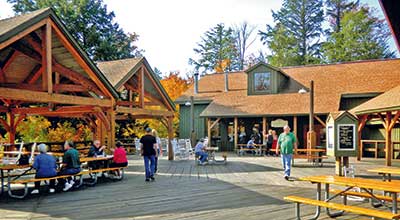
{"x":266,"y":97}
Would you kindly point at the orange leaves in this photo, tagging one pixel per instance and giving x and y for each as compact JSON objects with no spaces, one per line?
{"x":175,"y":85}
{"x":222,"y":65}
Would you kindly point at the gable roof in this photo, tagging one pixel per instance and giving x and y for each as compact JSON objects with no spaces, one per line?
{"x":331,"y":81}
{"x":388,"y":101}
{"x":119,"y":72}
{"x":13,"y":26}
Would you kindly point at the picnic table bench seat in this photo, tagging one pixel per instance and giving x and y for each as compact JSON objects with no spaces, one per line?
{"x":362,"y":194}
{"x":92,"y":173}
{"x":348,"y":208}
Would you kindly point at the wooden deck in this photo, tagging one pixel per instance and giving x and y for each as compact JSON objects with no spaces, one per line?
{"x":246,"y":188}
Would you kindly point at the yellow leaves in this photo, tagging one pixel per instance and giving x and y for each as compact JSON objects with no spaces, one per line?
{"x":222,"y":65}
{"x":175,"y":85}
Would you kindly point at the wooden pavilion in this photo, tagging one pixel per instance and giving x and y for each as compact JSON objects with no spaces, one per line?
{"x":44,"y":71}
{"x":385,"y":107}
{"x":141,"y":94}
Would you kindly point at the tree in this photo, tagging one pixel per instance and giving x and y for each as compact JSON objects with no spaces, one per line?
{"x":362,"y":36}
{"x":242,"y":36}
{"x":91,"y":24}
{"x":33,"y":129}
{"x":301,"y":20}
{"x":216,"y":48}
{"x":335,"y":10}
{"x":282,"y":44}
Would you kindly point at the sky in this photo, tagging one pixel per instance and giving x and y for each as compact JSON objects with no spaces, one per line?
{"x":169,"y":30}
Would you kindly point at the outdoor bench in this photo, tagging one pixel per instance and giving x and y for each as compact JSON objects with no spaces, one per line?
{"x":348,"y":208}
{"x":92,"y":173}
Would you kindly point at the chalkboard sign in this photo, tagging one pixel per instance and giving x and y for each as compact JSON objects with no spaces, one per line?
{"x":346,"y":134}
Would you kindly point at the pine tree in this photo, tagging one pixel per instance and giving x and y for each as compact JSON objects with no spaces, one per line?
{"x":362,"y":36}
{"x":335,"y":10}
{"x":216,"y":49}
{"x":91,"y":24}
{"x":302,"y":21}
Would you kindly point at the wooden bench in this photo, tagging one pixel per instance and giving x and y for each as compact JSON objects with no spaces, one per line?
{"x":258,"y":148}
{"x":92,"y":173}
{"x":316,"y":160}
{"x":330,"y":205}
{"x":362,"y":194}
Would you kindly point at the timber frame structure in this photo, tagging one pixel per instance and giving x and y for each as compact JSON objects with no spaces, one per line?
{"x":44,"y":71}
{"x":141,"y":94}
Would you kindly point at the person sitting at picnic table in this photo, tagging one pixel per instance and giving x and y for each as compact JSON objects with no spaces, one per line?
{"x":45,"y":166}
{"x":119,"y":159}
{"x":200,"y":151}
{"x":70,"y":165}
{"x":250,"y":145}
{"x":96,"y":150}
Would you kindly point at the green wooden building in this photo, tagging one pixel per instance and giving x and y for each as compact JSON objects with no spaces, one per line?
{"x":265,"y":97}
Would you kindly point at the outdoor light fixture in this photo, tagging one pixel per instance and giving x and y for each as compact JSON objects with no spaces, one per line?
{"x":302,"y":91}
{"x":187,"y":103}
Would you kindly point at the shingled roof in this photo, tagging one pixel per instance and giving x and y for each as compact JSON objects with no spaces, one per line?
{"x":388,"y":101}
{"x":118,"y":72}
{"x":331,"y":81}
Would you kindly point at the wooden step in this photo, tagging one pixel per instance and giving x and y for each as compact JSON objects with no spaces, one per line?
{"x":347,"y":208}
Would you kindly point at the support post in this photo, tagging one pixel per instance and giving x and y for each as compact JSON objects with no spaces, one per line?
{"x":295,"y":126}
{"x":235,"y":128}
{"x":338,"y":166}
{"x":11,"y":132}
{"x":48,"y":68}
{"x":388,"y":139}
{"x":311,"y":136}
{"x":141,"y":84}
{"x":264,"y":128}
{"x":170,"y":137}
{"x":111,"y":132}
{"x":192,"y":132}
{"x":209,"y":131}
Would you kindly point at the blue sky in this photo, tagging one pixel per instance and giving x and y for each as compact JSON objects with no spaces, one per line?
{"x":169,"y":30}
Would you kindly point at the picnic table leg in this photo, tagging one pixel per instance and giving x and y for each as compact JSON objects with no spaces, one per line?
{"x":328,"y":212}
{"x":394,"y":204}
{"x":318,"y":209}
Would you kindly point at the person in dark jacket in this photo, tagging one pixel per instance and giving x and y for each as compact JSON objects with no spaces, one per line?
{"x":96,"y":150}
{"x":45,"y":166}
{"x":71,"y":165}
{"x":148,"y":149}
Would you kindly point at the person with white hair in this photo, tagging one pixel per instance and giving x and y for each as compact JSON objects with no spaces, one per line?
{"x":286,"y":143}
{"x":45,"y":166}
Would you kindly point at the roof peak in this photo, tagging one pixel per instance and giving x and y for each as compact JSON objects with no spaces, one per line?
{"x":125,"y":59}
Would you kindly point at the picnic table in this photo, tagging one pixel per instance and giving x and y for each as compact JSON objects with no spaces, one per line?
{"x":211,"y":152}
{"x":370,"y":187}
{"x":386,"y":172}
{"x":9,"y":168}
{"x":257,"y":147}
{"x":56,"y":154}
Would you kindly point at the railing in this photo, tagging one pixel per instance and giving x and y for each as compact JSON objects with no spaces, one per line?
{"x":377,"y":146}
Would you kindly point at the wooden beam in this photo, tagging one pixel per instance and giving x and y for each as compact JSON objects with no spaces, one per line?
{"x":11,"y":132}
{"x":394,"y":120}
{"x":362,"y":123}
{"x":44,"y":97}
{"x":295,"y":126}
{"x":170,"y":137}
{"x":80,"y":60}
{"x":153,"y":99}
{"x":264,"y":129}
{"x":140,"y":111}
{"x":388,"y":139}
{"x":320,"y":120}
{"x":382,"y":119}
{"x":104,"y":120}
{"x":235,"y":130}
{"x":48,"y":67}
{"x":69,"y":88}
{"x":58,"y":110}
{"x":20,"y":118}
{"x":77,"y":78}
{"x":2,"y":76}
{"x":22,"y":34}
{"x":209,"y":131}
{"x":164,"y":98}
{"x":215,"y":123}
{"x":111,"y":132}
{"x":5,"y":124}
{"x":165,"y":123}
{"x":141,"y":86}
{"x":44,"y":55}
{"x":34,"y":75}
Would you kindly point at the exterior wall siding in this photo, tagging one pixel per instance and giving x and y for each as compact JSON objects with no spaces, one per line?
{"x":199,"y":123}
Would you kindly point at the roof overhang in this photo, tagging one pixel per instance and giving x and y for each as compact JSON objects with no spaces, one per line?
{"x":391,"y":10}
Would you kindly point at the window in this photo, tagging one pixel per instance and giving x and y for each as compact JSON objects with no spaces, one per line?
{"x":262,"y":82}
